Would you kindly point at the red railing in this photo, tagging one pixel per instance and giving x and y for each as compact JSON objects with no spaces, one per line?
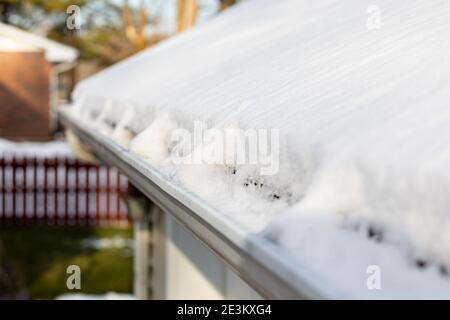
{"x":60,"y":190}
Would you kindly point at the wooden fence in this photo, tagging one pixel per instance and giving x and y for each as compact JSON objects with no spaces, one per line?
{"x":60,"y":190}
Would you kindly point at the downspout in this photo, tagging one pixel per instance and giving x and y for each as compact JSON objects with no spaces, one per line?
{"x":55,"y":71}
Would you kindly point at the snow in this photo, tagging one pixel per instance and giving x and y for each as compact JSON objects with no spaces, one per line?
{"x":15,"y":39}
{"x":106,"y":296}
{"x":152,"y":143}
{"x":38,"y":149}
{"x":107,"y":243}
{"x":364,"y":130}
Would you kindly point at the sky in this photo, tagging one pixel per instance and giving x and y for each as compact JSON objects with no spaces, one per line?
{"x":167,"y":9}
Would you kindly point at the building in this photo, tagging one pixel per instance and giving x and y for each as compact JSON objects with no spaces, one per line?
{"x":37,"y":73}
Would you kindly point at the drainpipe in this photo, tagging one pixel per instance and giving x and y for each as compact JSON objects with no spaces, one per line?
{"x":139,"y":210}
{"x":55,"y":72}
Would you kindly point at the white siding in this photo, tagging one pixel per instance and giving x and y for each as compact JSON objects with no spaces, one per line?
{"x":185,"y":269}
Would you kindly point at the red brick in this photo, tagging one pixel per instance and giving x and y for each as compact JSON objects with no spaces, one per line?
{"x":24,"y":96}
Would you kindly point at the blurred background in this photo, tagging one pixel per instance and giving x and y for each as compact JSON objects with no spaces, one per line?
{"x":55,"y":210}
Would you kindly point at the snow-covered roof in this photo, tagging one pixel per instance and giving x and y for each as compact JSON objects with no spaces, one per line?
{"x":15,"y":39}
{"x":360,"y":96}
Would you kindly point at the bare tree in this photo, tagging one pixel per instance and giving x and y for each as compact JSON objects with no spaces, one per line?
{"x":224,"y":4}
{"x":186,"y":14}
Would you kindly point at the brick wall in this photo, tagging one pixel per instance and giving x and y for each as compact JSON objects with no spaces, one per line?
{"x":24,"y":96}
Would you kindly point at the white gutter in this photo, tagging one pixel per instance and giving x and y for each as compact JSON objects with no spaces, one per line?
{"x":270,"y":272}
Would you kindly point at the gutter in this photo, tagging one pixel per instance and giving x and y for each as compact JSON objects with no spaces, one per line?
{"x":257,"y":261}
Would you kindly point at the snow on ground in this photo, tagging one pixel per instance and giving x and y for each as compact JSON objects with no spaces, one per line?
{"x":363,"y":117}
{"x":39,"y":149}
{"x":107,"y":243}
{"x":106,"y":296}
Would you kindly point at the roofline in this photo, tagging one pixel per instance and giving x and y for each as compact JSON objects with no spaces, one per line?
{"x":38,"y":42}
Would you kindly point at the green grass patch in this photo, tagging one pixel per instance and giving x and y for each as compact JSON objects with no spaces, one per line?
{"x":40,"y":256}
